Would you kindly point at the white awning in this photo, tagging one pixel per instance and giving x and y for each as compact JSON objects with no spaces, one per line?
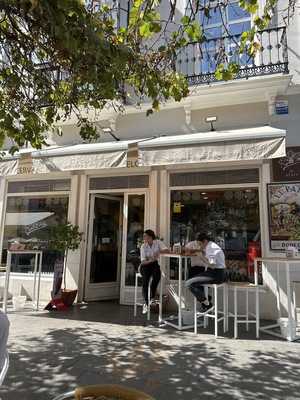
{"x":235,"y":145}
{"x":220,"y":146}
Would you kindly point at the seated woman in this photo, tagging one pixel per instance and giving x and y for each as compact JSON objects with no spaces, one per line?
{"x":150,"y":251}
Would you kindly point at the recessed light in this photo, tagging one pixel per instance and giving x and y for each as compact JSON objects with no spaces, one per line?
{"x":203,"y":193}
{"x":205,"y":198}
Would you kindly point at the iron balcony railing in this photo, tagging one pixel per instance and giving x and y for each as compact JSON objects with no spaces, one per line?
{"x":198,"y":61}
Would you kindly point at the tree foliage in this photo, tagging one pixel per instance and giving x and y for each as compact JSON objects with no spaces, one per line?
{"x":60,"y":58}
{"x":65,"y":237}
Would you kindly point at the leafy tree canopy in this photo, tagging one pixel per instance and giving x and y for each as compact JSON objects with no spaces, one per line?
{"x":60,"y":57}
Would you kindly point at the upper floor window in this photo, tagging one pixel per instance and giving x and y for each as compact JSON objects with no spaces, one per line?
{"x":223,"y":20}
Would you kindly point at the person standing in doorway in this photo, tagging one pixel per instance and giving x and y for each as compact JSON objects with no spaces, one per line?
{"x":150,"y":252}
{"x":212,"y":258}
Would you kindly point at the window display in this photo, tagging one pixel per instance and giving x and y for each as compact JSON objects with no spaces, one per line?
{"x":28,"y":221}
{"x":230,"y":217}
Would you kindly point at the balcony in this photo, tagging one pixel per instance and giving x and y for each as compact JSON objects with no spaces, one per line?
{"x":198,"y":61}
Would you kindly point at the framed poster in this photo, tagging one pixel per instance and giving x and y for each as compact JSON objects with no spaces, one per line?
{"x":284,"y":215}
{"x":287,"y":168}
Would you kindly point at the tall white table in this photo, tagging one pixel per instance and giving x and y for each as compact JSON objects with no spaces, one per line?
{"x":36,"y":278}
{"x":176,"y":320}
{"x":272,"y":267}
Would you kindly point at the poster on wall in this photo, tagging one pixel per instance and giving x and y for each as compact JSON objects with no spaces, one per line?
{"x":284,"y":215}
{"x":287,"y":168}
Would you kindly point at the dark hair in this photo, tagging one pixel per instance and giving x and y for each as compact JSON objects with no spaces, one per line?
{"x":150,"y":233}
{"x":202,"y":236}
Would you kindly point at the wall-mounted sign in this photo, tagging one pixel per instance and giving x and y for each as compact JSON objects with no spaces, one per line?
{"x":287,"y":168}
{"x":284,"y":215}
{"x":25,"y":165}
{"x":132,"y":155}
{"x":281,"y":106}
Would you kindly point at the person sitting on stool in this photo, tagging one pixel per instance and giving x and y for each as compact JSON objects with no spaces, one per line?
{"x":194,"y":249}
{"x":150,"y":251}
{"x":213,"y":259}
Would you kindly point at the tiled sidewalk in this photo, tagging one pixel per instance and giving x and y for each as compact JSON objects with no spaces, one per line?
{"x":102,"y":343}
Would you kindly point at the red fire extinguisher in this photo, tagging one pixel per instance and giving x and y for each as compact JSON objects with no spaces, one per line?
{"x":254,"y":251}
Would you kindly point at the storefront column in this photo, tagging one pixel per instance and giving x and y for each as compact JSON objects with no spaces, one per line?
{"x":2,"y":210}
{"x":265,"y":178}
{"x":153,"y":201}
{"x":164,"y":211}
{"x":83,"y":203}
{"x":73,"y":261}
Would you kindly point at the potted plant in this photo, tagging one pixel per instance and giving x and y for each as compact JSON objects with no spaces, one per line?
{"x":64,"y":238}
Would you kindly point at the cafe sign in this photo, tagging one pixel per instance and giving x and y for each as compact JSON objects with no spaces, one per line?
{"x":25,"y":165}
{"x":284,"y":215}
{"x":132,"y":155}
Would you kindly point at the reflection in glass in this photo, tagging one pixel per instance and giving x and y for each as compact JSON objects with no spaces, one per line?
{"x":136,"y":210}
{"x":28,"y":221}
{"x":231,"y":217}
{"x":106,"y":240}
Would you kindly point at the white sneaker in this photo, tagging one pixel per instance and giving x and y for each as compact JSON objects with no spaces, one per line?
{"x":145,"y":309}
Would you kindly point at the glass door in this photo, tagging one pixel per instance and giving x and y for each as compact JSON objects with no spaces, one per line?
{"x":104,"y":248}
{"x":133,"y":229}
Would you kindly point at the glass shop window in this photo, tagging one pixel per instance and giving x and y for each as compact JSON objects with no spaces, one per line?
{"x":230,"y":217}
{"x":28,"y":221}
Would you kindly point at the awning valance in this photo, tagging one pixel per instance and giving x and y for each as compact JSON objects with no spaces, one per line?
{"x":236,"y":145}
{"x":222,"y":146}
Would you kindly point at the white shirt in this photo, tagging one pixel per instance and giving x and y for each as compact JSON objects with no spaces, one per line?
{"x":152,"y":252}
{"x":196,"y":260}
{"x":215,"y":255}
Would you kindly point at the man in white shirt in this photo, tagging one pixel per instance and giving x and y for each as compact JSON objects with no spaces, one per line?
{"x":150,"y":252}
{"x":212,"y":258}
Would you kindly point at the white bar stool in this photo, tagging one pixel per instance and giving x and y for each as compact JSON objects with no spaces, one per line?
{"x":214,"y":311}
{"x":248,"y":317}
{"x":136,"y":303}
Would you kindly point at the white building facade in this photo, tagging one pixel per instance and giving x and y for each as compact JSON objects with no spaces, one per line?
{"x":169,"y":172}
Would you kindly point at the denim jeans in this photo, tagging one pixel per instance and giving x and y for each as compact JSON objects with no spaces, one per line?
{"x":210,"y":276}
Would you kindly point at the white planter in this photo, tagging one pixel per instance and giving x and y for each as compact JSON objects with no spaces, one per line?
{"x":19,"y":302}
{"x":284,"y":322}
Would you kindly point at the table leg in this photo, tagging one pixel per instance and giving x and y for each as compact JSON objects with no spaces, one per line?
{"x":179,"y":293}
{"x":34,"y":280}
{"x":6,"y":285}
{"x":289,"y":299}
{"x":39,"y":281}
{"x":161,"y":290}
{"x":278,"y":291}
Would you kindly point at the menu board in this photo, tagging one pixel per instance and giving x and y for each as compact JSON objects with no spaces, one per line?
{"x":284,"y":215}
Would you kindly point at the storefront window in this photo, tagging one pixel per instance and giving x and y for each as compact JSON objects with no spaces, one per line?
{"x":28,"y":221}
{"x":230,"y":217}
{"x":136,"y":208}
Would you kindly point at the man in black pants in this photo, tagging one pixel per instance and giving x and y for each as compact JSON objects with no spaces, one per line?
{"x":212,"y":258}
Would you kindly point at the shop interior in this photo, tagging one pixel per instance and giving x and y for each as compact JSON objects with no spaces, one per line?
{"x":230,"y":217}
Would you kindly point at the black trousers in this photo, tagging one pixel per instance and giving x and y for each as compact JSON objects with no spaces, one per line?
{"x":209,"y":276}
{"x":195,"y":271}
{"x":148,"y":271}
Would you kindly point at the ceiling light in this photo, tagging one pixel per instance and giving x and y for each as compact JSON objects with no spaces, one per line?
{"x":203,"y":193}
{"x":205,"y":198}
